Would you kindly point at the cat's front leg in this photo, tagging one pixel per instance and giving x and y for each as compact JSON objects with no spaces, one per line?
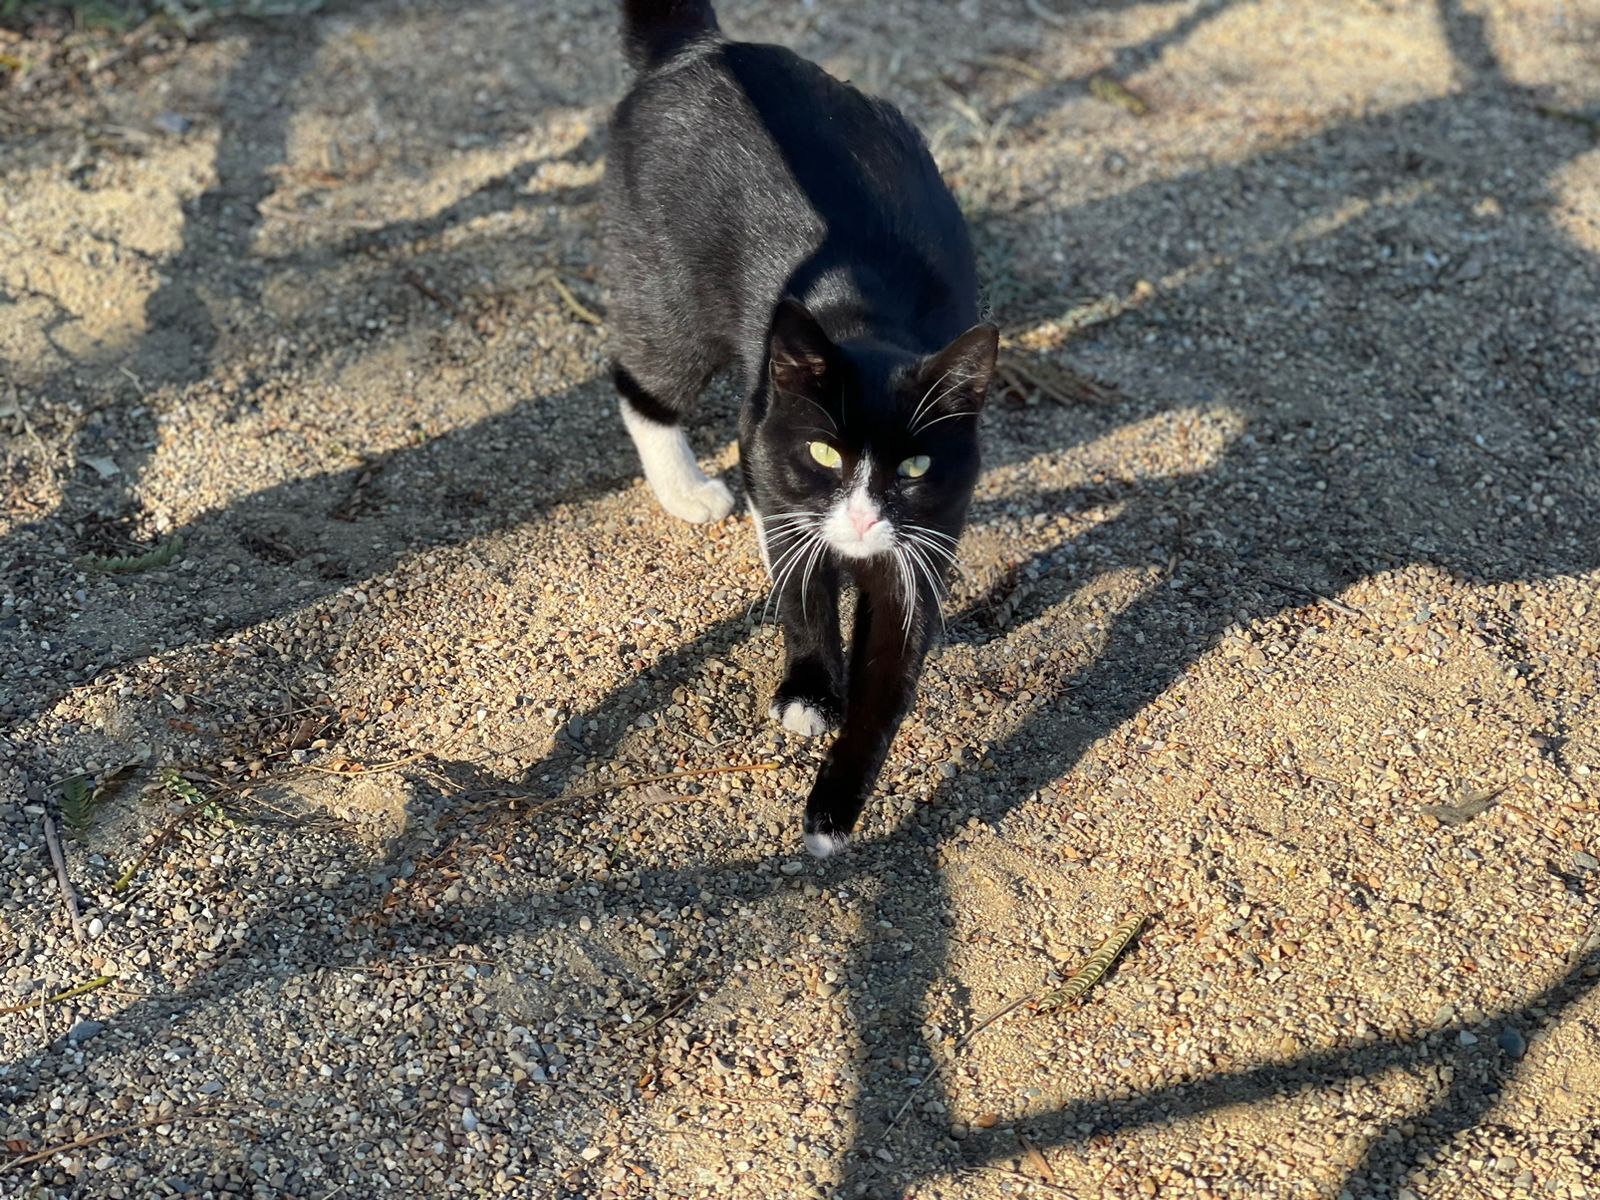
{"x":886,"y":654}
{"x":810,"y":698}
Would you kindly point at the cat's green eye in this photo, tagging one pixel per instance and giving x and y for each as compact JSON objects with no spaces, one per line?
{"x":915,"y":467}
{"x":826,"y":455}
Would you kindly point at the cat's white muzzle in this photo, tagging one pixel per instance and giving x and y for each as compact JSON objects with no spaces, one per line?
{"x":855,"y":527}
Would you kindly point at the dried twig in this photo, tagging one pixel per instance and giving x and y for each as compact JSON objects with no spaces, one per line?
{"x":1029,"y":1180}
{"x":91,"y":1139}
{"x":1003,"y":62}
{"x":69,"y":898}
{"x":72,"y":993}
{"x":1035,"y":1158}
{"x":1592,"y":124}
{"x":1059,"y":384}
{"x":427,"y":289}
{"x":372,"y":769}
{"x":959,"y":1047}
{"x":1301,"y":590}
{"x":182,"y":819}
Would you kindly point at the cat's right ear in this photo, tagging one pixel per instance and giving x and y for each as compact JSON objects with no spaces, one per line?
{"x":799,"y":354}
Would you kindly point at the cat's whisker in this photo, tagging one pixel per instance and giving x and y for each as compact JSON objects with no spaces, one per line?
{"x":931,"y":532}
{"x":791,"y":515}
{"x":785,"y":567}
{"x":805,"y":576}
{"x":917,"y":412}
{"x":788,"y":525}
{"x":824,"y":412}
{"x":960,"y":381}
{"x":950,"y":561}
{"x":944,"y":551}
{"x":922,"y":565}
{"x":908,"y":591}
{"x":927,"y":425}
{"x":924,"y":536}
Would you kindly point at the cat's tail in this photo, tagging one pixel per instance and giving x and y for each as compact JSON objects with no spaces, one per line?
{"x":655,"y":30}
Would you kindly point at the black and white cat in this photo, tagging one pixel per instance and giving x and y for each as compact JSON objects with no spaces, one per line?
{"x":764,"y":217}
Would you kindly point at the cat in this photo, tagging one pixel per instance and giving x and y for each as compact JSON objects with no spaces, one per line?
{"x":763,"y":217}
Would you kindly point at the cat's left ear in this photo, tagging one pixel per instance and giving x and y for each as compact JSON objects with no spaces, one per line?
{"x":958,"y":376}
{"x":800,"y":357}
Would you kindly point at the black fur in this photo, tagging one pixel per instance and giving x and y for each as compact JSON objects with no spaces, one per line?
{"x":764,"y":217}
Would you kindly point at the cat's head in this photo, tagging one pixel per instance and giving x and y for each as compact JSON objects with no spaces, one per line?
{"x":866,"y":449}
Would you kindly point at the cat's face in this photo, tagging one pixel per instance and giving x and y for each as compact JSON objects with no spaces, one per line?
{"x":867,"y":453}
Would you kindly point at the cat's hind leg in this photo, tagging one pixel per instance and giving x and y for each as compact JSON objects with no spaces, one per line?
{"x":653,"y":418}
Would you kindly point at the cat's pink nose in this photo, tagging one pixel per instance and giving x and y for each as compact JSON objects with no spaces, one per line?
{"x":864,"y":521}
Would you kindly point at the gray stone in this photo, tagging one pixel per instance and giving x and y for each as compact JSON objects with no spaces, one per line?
{"x":84,"y":1030}
{"x":1512,"y":1042}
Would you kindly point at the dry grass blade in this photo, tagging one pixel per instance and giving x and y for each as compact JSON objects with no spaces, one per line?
{"x":588,"y":316}
{"x":1004,"y":63}
{"x":1103,"y":87}
{"x":620,"y":785}
{"x":72,"y":993}
{"x":959,"y":1047}
{"x":1474,"y":804}
{"x":1036,"y":1160}
{"x":159,"y":557}
{"x":1086,"y":976}
{"x":1047,"y":15}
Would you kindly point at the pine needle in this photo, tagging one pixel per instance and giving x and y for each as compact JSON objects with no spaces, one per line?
{"x":1086,"y":976}
{"x":159,"y":557}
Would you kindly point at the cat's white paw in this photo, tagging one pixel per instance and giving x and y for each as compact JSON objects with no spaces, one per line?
{"x":699,"y":504}
{"x":798,"y":717}
{"x":824,"y":845}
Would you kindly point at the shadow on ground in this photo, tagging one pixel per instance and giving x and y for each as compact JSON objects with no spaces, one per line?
{"x":1377,"y":323}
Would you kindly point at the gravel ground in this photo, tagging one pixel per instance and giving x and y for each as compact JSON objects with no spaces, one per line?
{"x":1279,"y":627}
